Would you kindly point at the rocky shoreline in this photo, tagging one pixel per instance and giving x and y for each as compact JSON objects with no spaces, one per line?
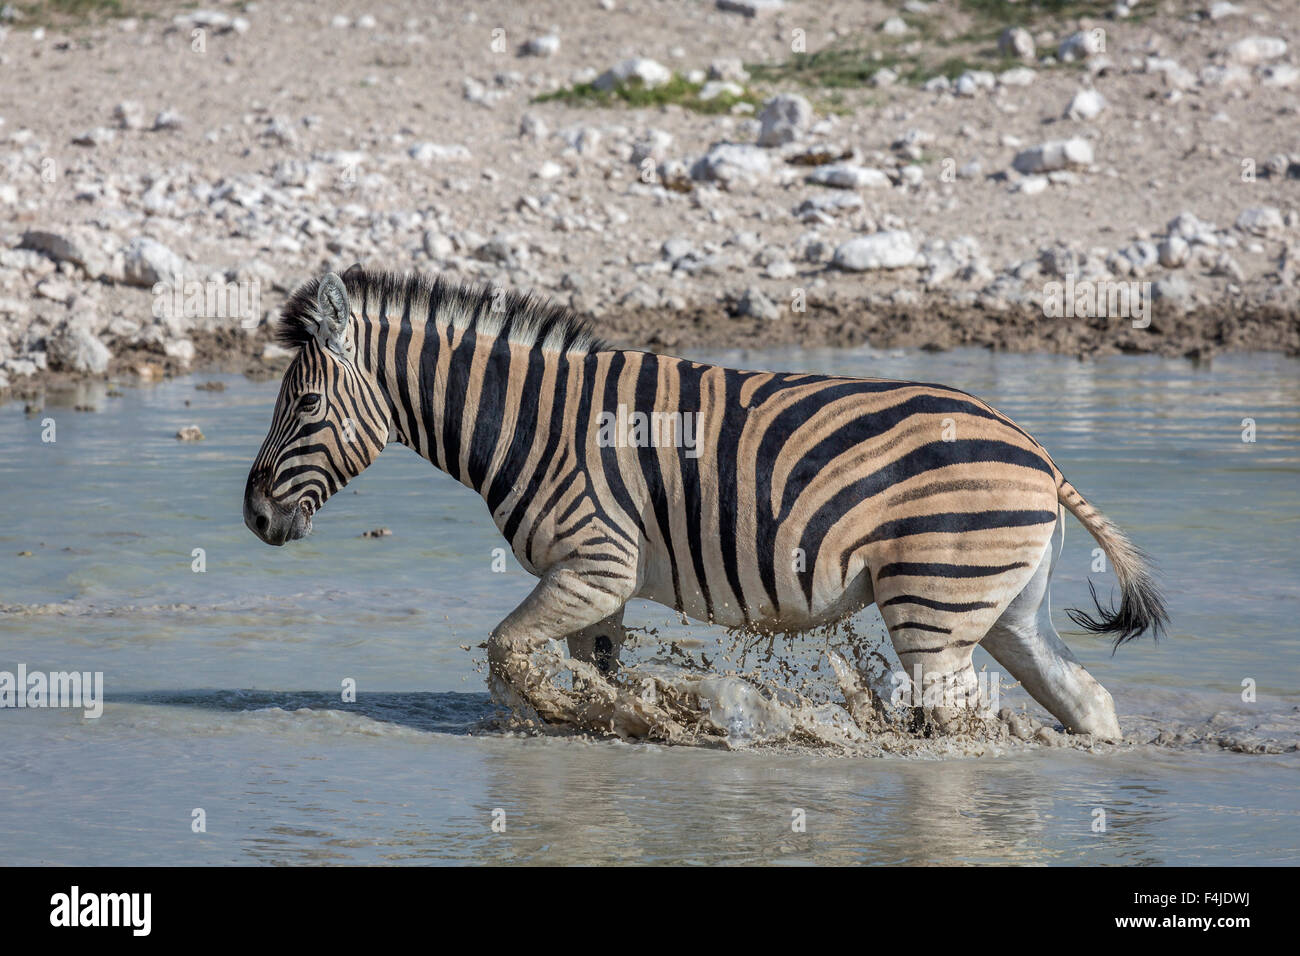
{"x":932,"y":326}
{"x":1110,"y":183}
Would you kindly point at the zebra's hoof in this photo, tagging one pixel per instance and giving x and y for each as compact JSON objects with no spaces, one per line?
{"x":603,"y":656}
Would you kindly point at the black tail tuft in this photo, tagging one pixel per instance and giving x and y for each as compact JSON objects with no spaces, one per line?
{"x":1141,"y":609}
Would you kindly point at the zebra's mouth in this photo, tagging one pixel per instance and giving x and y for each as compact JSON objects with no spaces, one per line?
{"x":301,"y":526}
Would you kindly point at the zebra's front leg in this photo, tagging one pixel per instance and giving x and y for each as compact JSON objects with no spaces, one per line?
{"x":566,"y":601}
{"x":601,"y":644}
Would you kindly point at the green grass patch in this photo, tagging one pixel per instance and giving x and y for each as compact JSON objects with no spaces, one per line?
{"x":679,"y":91}
{"x":1010,"y":13}
{"x":833,"y":67}
{"x":942,"y":43}
{"x":67,"y":14}
{"x":69,"y":11}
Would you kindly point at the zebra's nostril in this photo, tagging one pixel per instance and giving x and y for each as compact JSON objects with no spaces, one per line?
{"x":263,"y":522}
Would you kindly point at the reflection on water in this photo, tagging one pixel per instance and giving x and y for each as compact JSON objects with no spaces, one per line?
{"x":224,"y":686}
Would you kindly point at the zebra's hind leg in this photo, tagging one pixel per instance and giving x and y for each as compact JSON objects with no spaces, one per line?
{"x":940,"y":674}
{"x":934,"y":623}
{"x":1036,"y":656}
{"x":601,"y":644}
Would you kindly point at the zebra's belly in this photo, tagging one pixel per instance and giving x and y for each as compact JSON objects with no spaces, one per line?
{"x":791,"y":612}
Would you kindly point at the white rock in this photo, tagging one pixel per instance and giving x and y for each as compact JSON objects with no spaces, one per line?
{"x":653,"y":145}
{"x":728,"y":68}
{"x":547,"y":45}
{"x":436,"y":244}
{"x":99,"y":136}
{"x":715,"y":88}
{"x":824,"y":208}
{"x":168,"y":119}
{"x":1263,"y":221}
{"x":1174,"y":252}
{"x":751,"y":8}
{"x":532,"y":126}
{"x":894,"y":27}
{"x":1281,"y":75}
{"x":1225,"y":76}
{"x":732,"y":163}
{"x":1033,"y":185}
{"x":848,"y":176}
{"x":647,"y":72}
{"x":756,"y":305}
{"x":1017,"y":42}
{"x":1086,"y":105}
{"x":1054,"y":155}
{"x":436,"y":152}
{"x":78,"y":249}
{"x":212,"y":19}
{"x":182,"y":350}
{"x":1142,"y":254}
{"x":1187,"y":226}
{"x":129,"y":115}
{"x":976,"y":80}
{"x":892,"y":249}
{"x":149,"y":262}
{"x":1251,"y":51}
{"x":785,"y":118}
{"x":1081,"y":44}
{"x":677,"y":248}
{"x":1017,"y":76}
{"x":1177,"y":77}
{"x":74,"y":348}
{"x":1223,"y":9}
{"x":56,"y":288}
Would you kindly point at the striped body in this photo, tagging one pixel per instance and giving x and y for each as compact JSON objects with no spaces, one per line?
{"x":749,"y":499}
{"x":806,"y":496}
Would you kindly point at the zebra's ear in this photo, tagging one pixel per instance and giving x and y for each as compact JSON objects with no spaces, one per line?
{"x":332,"y":314}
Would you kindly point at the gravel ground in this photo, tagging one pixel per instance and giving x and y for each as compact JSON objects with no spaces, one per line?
{"x":1130,"y":184}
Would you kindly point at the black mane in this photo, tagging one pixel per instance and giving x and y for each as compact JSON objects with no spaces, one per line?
{"x":518,"y":317}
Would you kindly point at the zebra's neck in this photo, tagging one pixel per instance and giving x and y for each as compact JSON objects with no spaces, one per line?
{"x":469,"y":375}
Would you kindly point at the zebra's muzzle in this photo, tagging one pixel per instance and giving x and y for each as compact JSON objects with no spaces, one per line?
{"x":272,"y":522}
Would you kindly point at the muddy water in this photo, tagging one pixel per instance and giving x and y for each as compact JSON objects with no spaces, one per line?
{"x":223,"y":687}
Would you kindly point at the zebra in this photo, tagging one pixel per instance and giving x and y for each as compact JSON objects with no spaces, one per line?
{"x":791,"y":501}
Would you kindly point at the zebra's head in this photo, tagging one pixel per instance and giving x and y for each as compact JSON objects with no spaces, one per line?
{"x":330,"y":421}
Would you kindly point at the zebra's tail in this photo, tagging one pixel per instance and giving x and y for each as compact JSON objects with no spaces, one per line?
{"x":1141,"y":607}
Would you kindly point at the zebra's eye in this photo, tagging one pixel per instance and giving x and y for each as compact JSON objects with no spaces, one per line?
{"x":309,"y":403}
